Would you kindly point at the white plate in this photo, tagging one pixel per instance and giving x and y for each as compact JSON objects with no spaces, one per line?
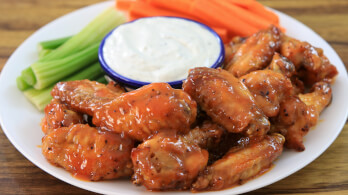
{"x":20,"y":120}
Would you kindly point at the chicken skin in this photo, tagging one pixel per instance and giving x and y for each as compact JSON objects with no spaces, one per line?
{"x":282,"y":65}
{"x":139,"y":114}
{"x":240,"y":164}
{"x":319,"y":97}
{"x":227,"y":101}
{"x":298,"y":114}
{"x":146,"y":111}
{"x":168,"y":161}
{"x":256,"y":53}
{"x":269,"y":88}
{"x":84,"y":96}
{"x":59,"y":115}
{"x":88,"y":152}
{"x":311,"y":63}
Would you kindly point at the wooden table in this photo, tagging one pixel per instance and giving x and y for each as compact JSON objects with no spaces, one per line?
{"x":328,"y":174}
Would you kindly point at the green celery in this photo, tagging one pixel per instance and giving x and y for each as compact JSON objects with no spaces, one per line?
{"x":40,"y":98}
{"x":52,"y":44}
{"x":93,"y":33}
{"x":44,"y":52}
{"x":50,"y":72}
{"x":102,"y":80}
{"x":21,"y":84}
{"x":28,"y":76}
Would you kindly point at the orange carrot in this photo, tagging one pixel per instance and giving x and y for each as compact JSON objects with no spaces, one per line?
{"x":132,"y":17}
{"x":242,"y":3}
{"x":258,"y":9}
{"x":145,"y":10}
{"x":222,"y":32}
{"x":243,"y":14}
{"x":209,"y":11}
{"x":124,"y":5}
{"x":181,"y":6}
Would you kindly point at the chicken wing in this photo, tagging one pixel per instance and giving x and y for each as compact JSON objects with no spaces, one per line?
{"x":319,"y":97}
{"x":84,"y":96}
{"x":147,"y":110}
{"x":168,"y":161}
{"x":88,"y":152}
{"x":232,"y":47}
{"x":298,"y":114}
{"x":227,"y":101}
{"x":282,"y":65}
{"x":59,"y":115}
{"x":240,"y":164}
{"x":256,"y":53}
{"x":312,"y":65}
{"x":269,"y":88}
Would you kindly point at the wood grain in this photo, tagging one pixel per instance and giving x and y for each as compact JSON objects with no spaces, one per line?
{"x":326,"y":175}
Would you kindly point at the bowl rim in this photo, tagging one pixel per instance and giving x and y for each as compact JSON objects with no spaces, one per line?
{"x":136,"y":83}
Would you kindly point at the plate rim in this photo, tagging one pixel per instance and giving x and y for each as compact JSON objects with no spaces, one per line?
{"x":226,"y":191}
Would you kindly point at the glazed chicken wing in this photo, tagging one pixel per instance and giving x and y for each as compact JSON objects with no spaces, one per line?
{"x":232,"y":47}
{"x":269,"y":88}
{"x":168,"y":161}
{"x":282,"y":65}
{"x":227,"y":101}
{"x":256,"y":53}
{"x":88,"y":152}
{"x":298,"y":114}
{"x":59,"y":115}
{"x":147,"y":110}
{"x":240,"y":164}
{"x":319,"y":97}
{"x":312,"y":65}
{"x":84,"y":96}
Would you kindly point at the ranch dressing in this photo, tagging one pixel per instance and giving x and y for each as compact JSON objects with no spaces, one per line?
{"x":160,"y":49}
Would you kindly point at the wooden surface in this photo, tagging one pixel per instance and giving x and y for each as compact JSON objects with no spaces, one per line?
{"x":326,"y":175}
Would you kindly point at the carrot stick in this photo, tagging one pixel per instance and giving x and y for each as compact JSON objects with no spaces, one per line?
{"x":243,"y":14}
{"x":222,"y":32}
{"x":258,"y":9}
{"x":145,"y":10}
{"x":124,"y":5}
{"x":181,"y":6}
{"x":242,"y":3}
{"x":209,"y":11}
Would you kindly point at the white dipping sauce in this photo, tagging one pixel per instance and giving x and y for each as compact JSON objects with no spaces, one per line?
{"x":160,"y":49}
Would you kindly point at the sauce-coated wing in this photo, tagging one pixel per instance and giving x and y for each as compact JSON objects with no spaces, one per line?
{"x":168,"y":161}
{"x":240,"y":164}
{"x":84,"y":96}
{"x":294,"y":121}
{"x":59,"y":115}
{"x":88,"y":152}
{"x":282,"y":65}
{"x":227,"y":101}
{"x":269,"y":88}
{"x":311,"y":63}
{"x":319,"y":97}
{"x":147,"y":110}
{"x":256,"y":53}
{"x":298,"y":114}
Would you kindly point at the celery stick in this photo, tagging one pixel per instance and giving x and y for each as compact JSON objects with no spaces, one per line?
{"x":28,"y":76}
{"x":21,"y":84}
{"x":44,"y":52}
{"x":48,"y":73}
{"x":40,"y":98}
{"x":93,"y":33}
{"x":52,"y":44}
{"x":102,"y":80}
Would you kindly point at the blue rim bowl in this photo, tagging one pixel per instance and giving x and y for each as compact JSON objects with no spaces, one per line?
{"x":135,"y":83}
